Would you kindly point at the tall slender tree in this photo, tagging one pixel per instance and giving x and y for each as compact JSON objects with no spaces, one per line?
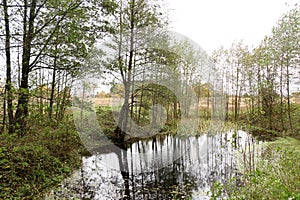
{"x":8,"y":86}
{"x":35,"y":27}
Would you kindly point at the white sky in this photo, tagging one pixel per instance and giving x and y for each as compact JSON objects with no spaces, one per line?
{"x":212,"y":23}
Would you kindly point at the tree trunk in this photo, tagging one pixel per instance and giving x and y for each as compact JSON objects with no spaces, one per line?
{"x":124,"y":114}
{"x":236,"y":95}
{"x":53,"y":86}
{"x":281,"y":97}
{"x":226,"y":107}
{"x":288,"y":93}
{"x":65,"y":98}
{"x":8,"y":86}
{"x":28,"y":35}
{"x":259,"y":94}
{"x":4,"y":112}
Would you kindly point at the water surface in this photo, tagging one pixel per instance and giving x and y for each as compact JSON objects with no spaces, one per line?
{"x":166,"y":167}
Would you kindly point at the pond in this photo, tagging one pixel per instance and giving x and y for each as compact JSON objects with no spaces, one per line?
{"x":165,"y":167}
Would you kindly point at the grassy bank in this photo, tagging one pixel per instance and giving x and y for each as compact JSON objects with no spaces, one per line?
{"x":31,"y":165}
{"x":268,"y":127}
{"x":277,"y":175}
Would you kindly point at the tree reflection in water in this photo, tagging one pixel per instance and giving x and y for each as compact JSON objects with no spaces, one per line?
{"x":181,"y":167}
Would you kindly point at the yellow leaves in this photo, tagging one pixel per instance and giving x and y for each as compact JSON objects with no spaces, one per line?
{"x":6,"y":166}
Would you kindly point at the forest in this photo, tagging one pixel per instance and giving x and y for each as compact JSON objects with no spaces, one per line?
{"x":85,"y":77}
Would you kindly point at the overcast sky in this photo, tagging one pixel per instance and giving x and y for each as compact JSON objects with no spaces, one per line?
{"x":212,"y":23}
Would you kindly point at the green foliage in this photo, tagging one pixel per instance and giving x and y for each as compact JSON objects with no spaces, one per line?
{"x":276,"y":175}
{"x":258,"y":124}
{"x":106,"y":119}
{"x":266,"y":74}
{"x":151,"y":94}
{"x":30,"y":165}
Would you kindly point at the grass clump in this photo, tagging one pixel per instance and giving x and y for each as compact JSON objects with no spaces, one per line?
{"x":277,"y":175}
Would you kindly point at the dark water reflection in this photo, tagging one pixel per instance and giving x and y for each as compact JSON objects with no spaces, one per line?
{"x":183,"y":168}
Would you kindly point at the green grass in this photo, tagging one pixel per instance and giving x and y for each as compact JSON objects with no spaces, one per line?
{"x":31,"y":165}
{"x":277,"y":175}
{"x":267,"y":128}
